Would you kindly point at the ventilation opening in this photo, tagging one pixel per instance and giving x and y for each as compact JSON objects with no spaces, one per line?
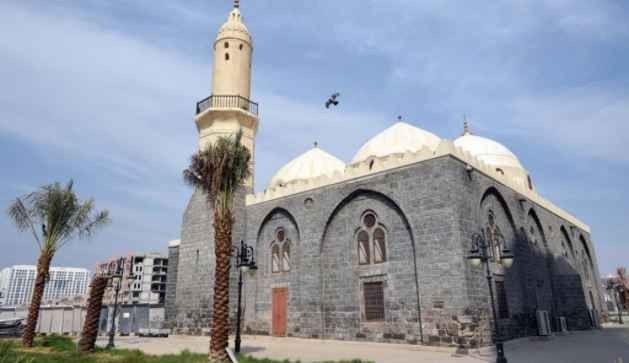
{"x":241,"y":46}
{"x":371,"y":164}
{"x":530,"y":181}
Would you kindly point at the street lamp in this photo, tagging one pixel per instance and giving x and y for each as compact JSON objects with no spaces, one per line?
{"x":245,"y":261}
{"x":479,"y":254}
{"x":115,"y":272}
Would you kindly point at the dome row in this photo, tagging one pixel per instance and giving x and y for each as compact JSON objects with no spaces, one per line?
{"x":400,"y":138}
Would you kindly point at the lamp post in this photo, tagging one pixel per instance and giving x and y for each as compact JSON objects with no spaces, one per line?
{"x":117,"y":274}
{"x":479,"y":254}
{"x":245,"y":261}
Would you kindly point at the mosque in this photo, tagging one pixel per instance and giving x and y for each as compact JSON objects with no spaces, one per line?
{"x":377,"y":249}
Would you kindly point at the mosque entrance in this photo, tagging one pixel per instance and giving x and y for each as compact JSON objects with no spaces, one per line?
{"x":280,"y":303}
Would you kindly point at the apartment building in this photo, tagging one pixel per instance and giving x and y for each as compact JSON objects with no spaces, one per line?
{"x":143,"y":279}
{"x":17,"y":283}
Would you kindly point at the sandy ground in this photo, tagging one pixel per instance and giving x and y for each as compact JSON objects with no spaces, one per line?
{"x":610,"y":345}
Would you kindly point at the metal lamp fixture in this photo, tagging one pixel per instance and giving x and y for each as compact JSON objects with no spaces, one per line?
{"x":115,"y":270}
{"x":479,"y":254}
{"x":245,"y":262}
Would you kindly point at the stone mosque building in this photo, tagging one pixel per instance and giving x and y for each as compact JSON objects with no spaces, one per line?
{"x":377,"y":249}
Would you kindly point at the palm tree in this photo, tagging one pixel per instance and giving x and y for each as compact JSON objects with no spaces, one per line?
{"x":623,"y":286}
{"x":94,"y":305}
{"x":220,"y":170}
{"x":59,"y":216}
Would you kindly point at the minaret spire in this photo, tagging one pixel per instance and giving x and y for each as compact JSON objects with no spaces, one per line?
{"x":236,"y":4}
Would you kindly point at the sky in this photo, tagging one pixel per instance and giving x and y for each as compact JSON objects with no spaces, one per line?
{"x":104,"y":92}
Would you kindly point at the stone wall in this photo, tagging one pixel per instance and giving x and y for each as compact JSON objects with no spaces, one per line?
{"x":171,"y":285}
{"x":192,"y":313}
{"x":429,"y":210}
{"x":545,"y":275}
{"x":426,"y":256}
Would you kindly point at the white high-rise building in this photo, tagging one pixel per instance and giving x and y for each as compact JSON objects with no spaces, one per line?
{"x":17,"y":283}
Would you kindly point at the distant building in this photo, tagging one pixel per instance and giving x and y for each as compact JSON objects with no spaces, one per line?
{"x":143,"y":279}
{"x":17,"y":283}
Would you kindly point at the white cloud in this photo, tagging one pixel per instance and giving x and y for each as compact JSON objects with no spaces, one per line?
{"x":587,"y":122}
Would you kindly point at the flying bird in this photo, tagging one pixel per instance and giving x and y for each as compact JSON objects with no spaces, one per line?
{"x":332,"y":100}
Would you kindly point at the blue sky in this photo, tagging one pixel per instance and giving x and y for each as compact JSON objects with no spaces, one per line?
{"x":104,"y":92}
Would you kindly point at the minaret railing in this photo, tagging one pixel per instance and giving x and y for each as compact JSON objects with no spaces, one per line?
{"x":227,"y":101}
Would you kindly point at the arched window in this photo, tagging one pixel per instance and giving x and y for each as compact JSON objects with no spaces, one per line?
{"x":363,"y":248}
{"x":564,"y":251}
{"x":286,"y":257}
{"x":275,"y":258}
{"x":226,"y":56}
{"x":494,"y":236}
{"x":226,"y":45}
{"x":379,"y":246}
{"x":241,"y":46}
{"x":586,"y":270}
{"x":371,"y":240}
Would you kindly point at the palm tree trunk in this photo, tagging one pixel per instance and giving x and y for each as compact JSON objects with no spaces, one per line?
{"x":94,"y":305}
{"x":43,"y":265}
{"x":220,"y":312}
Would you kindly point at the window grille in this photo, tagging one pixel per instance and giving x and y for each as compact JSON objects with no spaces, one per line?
{"x":501,"y":296}
{"x":374,"y":301}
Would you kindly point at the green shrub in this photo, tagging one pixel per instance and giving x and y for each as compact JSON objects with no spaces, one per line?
{"x":57,"y":343}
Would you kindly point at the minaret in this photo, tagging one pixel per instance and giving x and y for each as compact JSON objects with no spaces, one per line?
{"x":229,"y":107}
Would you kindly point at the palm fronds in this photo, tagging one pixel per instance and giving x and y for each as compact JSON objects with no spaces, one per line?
{"x":220,"y":169}
{"x":59,"y":212}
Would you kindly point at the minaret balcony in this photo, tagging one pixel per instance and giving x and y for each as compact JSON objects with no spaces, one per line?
{"x":227,"y":102}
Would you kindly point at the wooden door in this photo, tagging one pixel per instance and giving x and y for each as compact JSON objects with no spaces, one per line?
{"x":279,"y":308}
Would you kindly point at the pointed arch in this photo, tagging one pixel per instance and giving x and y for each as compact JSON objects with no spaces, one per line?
{"x":394,"y":206}
{"x":584,"y":244}
{"x":492,"y":191}
{"x":281,"y":211}
{"x":533,"y":215}
{"x":566,"y":237}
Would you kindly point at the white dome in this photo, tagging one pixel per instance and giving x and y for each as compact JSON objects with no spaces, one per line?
{"x":488,"y":151}
{"x":311,"y":164}
{"x":397,"y":139}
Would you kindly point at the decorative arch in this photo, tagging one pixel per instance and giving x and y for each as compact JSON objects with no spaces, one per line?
{"x":398,"y":210}
{"x":589,"y":272}
{"x":501,"y":232}
{"x":586,"y":249}
{"x":492,"y":191}
{"x":487,"y":220}
{"x":271,"y":214}
{"x":277,"y":241}
{"x":566,"y":237}
{"x":540,"y":229}
{"x":369,"y":193}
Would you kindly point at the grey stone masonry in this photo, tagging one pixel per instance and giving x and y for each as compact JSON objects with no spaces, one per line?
{"x":170,"y":312}
{"x":425,"y":214}
{"x":191,"y":313}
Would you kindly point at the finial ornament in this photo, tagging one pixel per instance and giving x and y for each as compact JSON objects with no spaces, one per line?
{"x":466,"y":126}
{"x":236,"y":4}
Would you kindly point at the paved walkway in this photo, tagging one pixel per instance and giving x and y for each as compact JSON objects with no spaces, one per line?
{"x":601,"y":346}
